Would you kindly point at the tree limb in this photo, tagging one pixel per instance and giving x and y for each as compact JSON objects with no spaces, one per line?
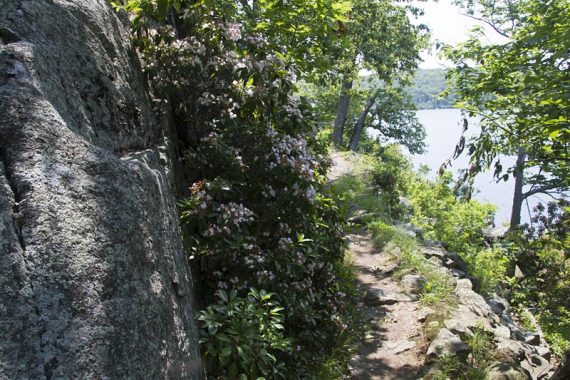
{"x":543,"y":190}
{"x":495,"y":28}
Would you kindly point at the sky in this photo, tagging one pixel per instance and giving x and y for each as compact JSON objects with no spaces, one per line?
{"x":447,"y":25}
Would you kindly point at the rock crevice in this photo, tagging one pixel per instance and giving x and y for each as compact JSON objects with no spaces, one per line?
{"x":17,"y":198}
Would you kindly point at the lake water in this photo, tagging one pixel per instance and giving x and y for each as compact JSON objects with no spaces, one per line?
{"x":443,"y":132}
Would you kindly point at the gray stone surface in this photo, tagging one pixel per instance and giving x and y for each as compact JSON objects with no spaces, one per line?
{"x":377,"y":297}
{"x":532,"y":338}
{"x":495,"y":232}
{"x":457,"y":273}
{"x":464,"y":320}
{"x":510,"y":349}
{"x":458,"y":326}
{"x":506,"y":371}
{"x":476,"y":302}
{"x":413,"y":283}
{"x":425,"y":313}
{"x":503,"y":332}
{"x":537,"y":366}
{"x":434,"y":251}
{"x":464,"y":283}
{"x":544,"y":352}
{"x":94,"y":282}
{"x":401,"y":346}
{"x":447,"y":344}
{"x":498,"y":304}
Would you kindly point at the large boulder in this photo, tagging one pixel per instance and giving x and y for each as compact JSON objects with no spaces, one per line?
{"x":464,"y":321}
{"x":506,"y":371}
{"x":476,"y":303}
{"x":413,"y":283}
{"x":94,"y":282}
{"x":447,"y":344}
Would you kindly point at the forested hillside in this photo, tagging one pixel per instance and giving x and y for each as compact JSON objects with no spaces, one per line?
{"x":427,"y":87}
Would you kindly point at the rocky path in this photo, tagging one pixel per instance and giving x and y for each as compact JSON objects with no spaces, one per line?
{"x":396,"y":348}
{"x":392,"y":349}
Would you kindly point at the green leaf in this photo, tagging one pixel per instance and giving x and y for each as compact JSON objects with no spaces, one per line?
{"x":276,"y":310}
{"x":223,"y":295}
{"x":162,"y":8}
{"x":133,"y":6}
{"x":212,"y":329}
{"x":554,"y":134}
{"x":227,"y":351}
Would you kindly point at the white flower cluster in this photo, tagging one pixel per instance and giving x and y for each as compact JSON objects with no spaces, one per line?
{"x":235,"y":213}
{"x":264,"y":275}
{"x":233,"y":31}
{"x":268,"y":191}
{"x":230,"y":213}
{"x":284,"y":242}
{"x":293,"y":152}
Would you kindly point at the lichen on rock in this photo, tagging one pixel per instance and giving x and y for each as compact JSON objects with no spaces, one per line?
{"x":94,"y":280}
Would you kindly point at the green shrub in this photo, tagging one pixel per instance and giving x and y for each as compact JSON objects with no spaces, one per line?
{"x":443,"y":217}
{"x":489,"y":267}
{"x":542,"y":251}
{"x":242,"y":337}
{"x":482,"y":348}
{"x":555,"y":322}
{"x":383,"y":233}
{"x":256,"y":211}
{"x":437,"y":291}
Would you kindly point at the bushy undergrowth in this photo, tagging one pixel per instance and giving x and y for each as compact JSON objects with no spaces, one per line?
{"x":393,"y":193}
{"x":392,"y":239}
{"x":470,"y":368}
{"x":244,"y":335}
{"x":542,"y":252}
{"x":257,"y":214}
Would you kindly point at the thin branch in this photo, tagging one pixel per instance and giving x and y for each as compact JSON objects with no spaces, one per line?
{"x":495,"y":28}
{"x":542,"y":190}
{"x":534,"y":184}
{"x":552,"y":196}
{"x":528,"y":209}
{"x":492,"y":120}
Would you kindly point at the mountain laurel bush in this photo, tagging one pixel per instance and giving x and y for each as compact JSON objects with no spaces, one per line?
{"x":256,"y":212}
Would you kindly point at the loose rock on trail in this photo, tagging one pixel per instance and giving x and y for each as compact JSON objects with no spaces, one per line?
{"x":397,"y":345}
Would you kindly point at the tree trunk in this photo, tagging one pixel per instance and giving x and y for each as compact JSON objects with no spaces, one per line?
{"x":359,"y":126}
{"x":341,"y":112}
{"x":518,"y":196}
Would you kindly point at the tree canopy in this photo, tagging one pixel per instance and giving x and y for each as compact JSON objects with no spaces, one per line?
{"x":381,"y":38}
{"x":518,"y":89}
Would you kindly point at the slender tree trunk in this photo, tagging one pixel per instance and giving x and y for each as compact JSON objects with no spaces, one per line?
{"x":359,"y":126}
{"x":341,"y":112}
{"x":518,"y":196}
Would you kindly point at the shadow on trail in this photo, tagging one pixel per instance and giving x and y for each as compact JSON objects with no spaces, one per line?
{"x":369,"y":363}
{"x":380,"y":355}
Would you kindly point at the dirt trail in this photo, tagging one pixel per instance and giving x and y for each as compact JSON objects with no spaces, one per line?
{"x":392,"y":349}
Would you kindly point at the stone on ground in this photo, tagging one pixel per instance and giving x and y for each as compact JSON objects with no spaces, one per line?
{"x":413,"y":283}
{"x":447,"y":344}
{"x":378,"y":297}
{"x":505,"y":371}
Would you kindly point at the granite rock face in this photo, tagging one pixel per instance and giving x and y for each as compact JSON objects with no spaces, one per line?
{"x":94,"y":282}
